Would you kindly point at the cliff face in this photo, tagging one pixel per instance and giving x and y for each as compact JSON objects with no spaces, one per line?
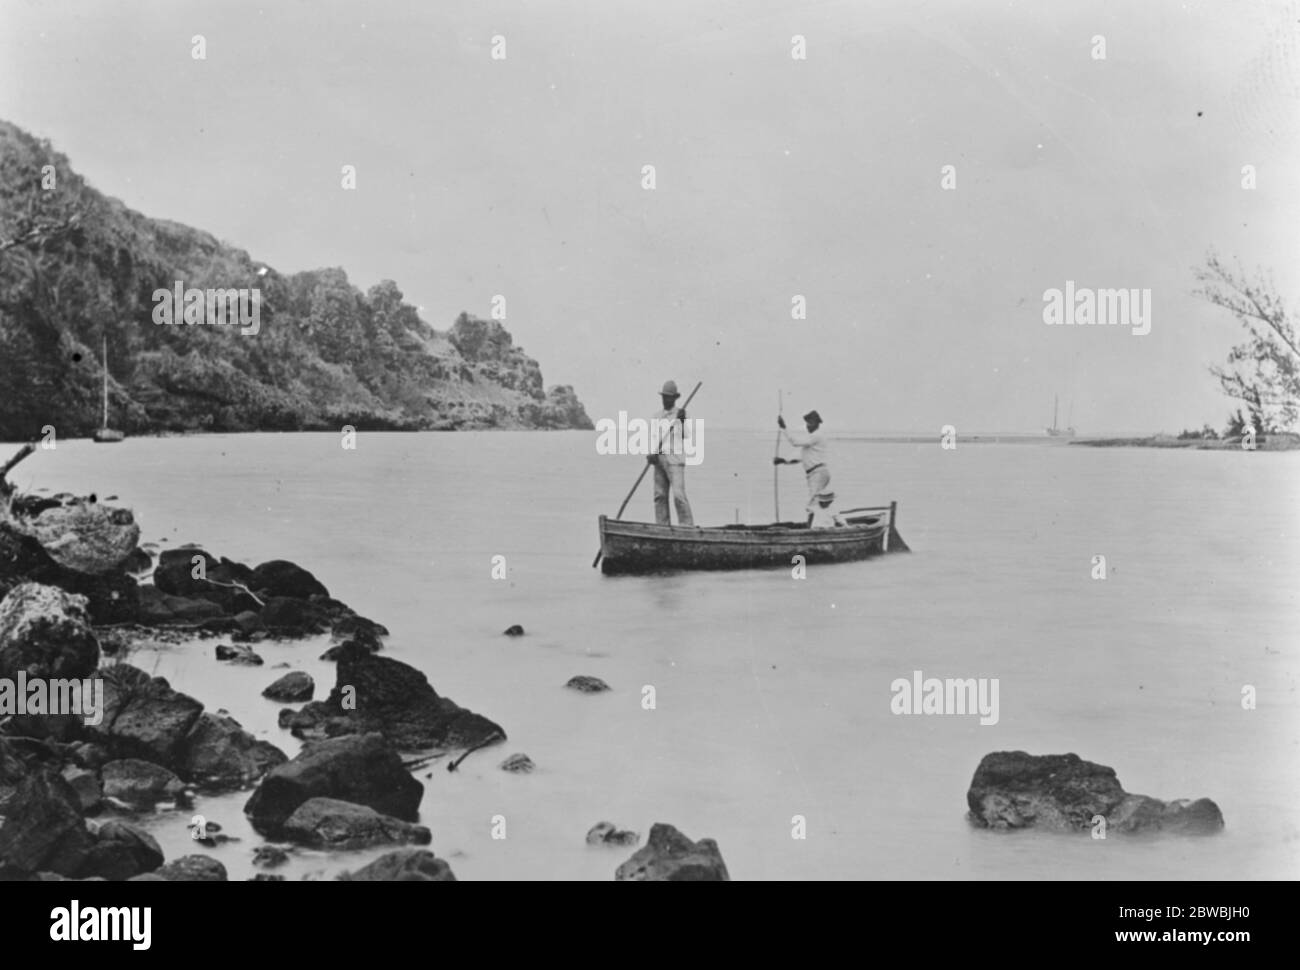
{"x":76,"y":266}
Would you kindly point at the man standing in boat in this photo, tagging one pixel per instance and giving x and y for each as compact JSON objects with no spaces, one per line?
{"x":812,"y":455}
{"x":670,"y":459}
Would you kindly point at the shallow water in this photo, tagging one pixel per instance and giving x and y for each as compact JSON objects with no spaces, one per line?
{"x":772,"y":694}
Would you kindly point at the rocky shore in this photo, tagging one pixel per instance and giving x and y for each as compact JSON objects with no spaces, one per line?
{"x":78,"y":595}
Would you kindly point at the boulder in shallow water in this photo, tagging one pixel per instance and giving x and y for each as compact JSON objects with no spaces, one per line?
{"x":587,"y":685}
{"x":394,"y":699}
{"x":46,"y":632}
{"x":329,"y":823}
{"x":361,"y":768}
{"x":297,"y":685}
{"x":163,"y":609}
{"x":514,"y":631}
{"x":669,"y":856}
{"x":193,"y":868}
{"x":121,"y":851}
{"x":238,"y":654}
{"x":138,"y":783}
{"x":218,"y":754}
{"x":294,"y":618}
{"x":1064,"y":793}
{"x":279,"y":577}
{"x":518,"y":764}
{"x":607,"y":833}
{"x":404,"y":865}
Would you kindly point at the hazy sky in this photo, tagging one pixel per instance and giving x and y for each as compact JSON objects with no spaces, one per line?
{"x":775,"y":177}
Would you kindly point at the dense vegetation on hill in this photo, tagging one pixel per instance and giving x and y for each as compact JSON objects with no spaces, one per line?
{"x":76,"y":267}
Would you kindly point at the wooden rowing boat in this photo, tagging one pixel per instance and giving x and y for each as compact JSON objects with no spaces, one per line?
{"x":642,"y":547}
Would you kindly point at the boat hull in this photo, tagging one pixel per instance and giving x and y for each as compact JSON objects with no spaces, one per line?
{"x":642,"y":547}
{"x":108,"y":436}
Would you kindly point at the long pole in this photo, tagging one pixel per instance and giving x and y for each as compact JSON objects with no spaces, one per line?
{"x":776,"y":476}
{"x":622,"y":508}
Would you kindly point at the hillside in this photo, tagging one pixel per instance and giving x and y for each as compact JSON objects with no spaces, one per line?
{"x":77,"y":266}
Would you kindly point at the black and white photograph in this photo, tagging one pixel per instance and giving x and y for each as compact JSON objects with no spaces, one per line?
{"x":808,"y":441}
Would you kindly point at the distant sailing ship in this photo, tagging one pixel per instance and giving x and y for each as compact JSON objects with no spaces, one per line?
{"x":1054,"y":431}
{"x":105,"y":434}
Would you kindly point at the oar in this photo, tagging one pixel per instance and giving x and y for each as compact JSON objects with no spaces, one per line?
{"x":776,"y":476}
{"x":596,"y":562}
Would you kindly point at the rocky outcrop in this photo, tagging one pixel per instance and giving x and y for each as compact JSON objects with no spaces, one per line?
{"x":1064,"y":793}
{"x":378,"y":694}
{"x":328,"y":823}
{"x":404,"y":865}
{"x":46,"y":632}
{"x":80,"y":534}
{"x":669,"y":856}
{"x":363,"y":769}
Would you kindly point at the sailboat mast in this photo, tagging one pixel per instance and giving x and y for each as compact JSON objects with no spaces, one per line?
{"x":1056,"y":407}
{"x":105,"y":381}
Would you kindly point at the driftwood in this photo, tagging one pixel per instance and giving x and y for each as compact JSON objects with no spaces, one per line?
{"x":5,"y":488}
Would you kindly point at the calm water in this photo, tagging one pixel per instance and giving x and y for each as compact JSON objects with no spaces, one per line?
{"x":772,"y":693}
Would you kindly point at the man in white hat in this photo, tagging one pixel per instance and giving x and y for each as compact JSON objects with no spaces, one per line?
{"x":670,"y":462}
{"x":812,"y":455}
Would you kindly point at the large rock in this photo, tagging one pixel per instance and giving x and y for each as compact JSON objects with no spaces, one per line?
{"x":297,"y":685}
{"x":218,"y":581}
{"x":1062,"y":792}
{"x":143,"y":716}
{"x":394,"y":699}
{"x":404,"y":865}
{"x":121,"y":851}
{"x":46,"y":632}
{"x":138,"y":783}
{"x":43,"y":830}
{"x":361,"y":768}
{"x":669,"y":856}
{"x":282,"y":578}
{"x":288,"y":617}
{"x":163,"y":609}
{"x":193,"y":868}
{"x":82,"y":534}
{"x":219,"y":754}
{"x":328,"y":823}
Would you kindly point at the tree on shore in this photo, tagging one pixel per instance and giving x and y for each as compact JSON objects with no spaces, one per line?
{"x":1263,"y":372}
